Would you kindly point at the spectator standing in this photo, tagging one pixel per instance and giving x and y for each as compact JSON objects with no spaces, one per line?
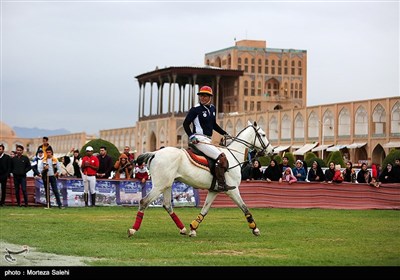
{"x":272,"y":172}
{"x":256,"y":173}
{"x":76,"y":162}
{"x":396,"y":169}
{"x":142,"y":173}
{"x":388,"y":174}
{"x":299,"y":172}
{"x":127,"y":152}
{"x":364,"y":176}
{"x":90,"y":165}
{"x":315,"y":174}
{"x":349,"y":175}
{"x":123,"y":167}
{"x":338,"y":176}
{"x":284,"y":164}
{"x":20,"y":165}
{"x":37,"y":160}
{"x":330,"y":172}
{"x":66,"y":167}
{"x":50,"y":169}
{"x":105,"y":164}
{"x":246,"y":170}
{"x":45,"y":145}
{"x":5,"y":170}
{"x":288,"y":176}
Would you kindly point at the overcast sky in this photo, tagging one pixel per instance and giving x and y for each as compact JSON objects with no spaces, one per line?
{"x":72,"y":64}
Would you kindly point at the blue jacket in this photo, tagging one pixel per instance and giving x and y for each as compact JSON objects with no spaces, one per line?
{"x":301,"y":171}
{"x":204,"y":122}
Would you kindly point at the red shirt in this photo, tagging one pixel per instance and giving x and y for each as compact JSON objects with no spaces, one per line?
{"x":93,"y":160}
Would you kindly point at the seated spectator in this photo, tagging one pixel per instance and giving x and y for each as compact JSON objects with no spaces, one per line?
{"x":246,"y":170}
{"x":288,"y":176}
{"x":349,"y":175}
{"x":122,"y":167}
{"x":272,"y":172}
{"x":256,"y":173}
{"x":338,"y":176}
{"x":364,"y":176}
{"x":387,"y":175}
{"x":299,"y":171}
{"x":315,"y":174}
{"x":330,"y":172}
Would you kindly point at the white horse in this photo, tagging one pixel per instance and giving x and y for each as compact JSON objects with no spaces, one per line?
{"x":169,"y":164}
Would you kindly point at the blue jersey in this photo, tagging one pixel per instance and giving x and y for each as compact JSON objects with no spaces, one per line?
{"x":203,"y":118}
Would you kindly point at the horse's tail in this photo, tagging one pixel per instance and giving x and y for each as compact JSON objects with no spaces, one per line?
{"x":146,"y":158}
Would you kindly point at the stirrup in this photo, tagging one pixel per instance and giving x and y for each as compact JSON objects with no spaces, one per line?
{"x":224,"y":188}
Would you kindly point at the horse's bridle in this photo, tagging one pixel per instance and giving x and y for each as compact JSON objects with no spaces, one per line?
{"x":248,"y":144}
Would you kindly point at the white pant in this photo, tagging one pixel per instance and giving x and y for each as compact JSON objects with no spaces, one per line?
{"x":206,"y":147}
{"x":89,"y":182}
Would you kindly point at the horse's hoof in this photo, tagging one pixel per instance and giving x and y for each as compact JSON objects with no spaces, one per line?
{"x":183,"y":231}
{"x":192,"y":233}
{"x":131,"y":232}
{"x":256,"y":232}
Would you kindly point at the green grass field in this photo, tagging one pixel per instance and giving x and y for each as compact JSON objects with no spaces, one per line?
{"x":289,"y":237}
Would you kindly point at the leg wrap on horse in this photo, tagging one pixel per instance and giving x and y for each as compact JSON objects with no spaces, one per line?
{"x":177,"y":221}
{"x":195,"y":223}
{"x":250,"y":220}
{"x":138,"y":222}
{"x":220,"y":168}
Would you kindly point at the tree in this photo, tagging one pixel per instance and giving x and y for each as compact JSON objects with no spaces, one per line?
{"x":112,"y":150}
{"x":337,"y":158}
{"x":391,"y":157}
{"x":309,"y":158}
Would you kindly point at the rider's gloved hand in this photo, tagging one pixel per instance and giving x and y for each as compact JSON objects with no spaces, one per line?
{"x":193,"y":139}
{"x":227,"y":136}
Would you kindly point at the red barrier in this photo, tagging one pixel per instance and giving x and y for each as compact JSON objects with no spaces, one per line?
{"x":260,"y":194}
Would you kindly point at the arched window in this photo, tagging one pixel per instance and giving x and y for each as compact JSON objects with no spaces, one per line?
{"x":299,"y":127}
{"x":239,"y":126}
{"x":229,"y":128}
{"x":286,"y":128}
{"x":379,"y":120}
{"x":273,"y":128}
{"x":313,"y":125}
{"x":361,"y":122}
{"x":344,"y":123}
{"x":329,"y":123}
{"x":395,"y":123}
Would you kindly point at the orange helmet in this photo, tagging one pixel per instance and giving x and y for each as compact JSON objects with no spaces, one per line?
{"x":206,"y":90}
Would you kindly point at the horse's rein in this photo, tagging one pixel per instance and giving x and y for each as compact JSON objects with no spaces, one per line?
{"x":239,"y":163}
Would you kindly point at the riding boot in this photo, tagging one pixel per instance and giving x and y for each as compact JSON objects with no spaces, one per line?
{"x":93,"y":199}
{"x":86,"y":198}
{"x":221,"y":166}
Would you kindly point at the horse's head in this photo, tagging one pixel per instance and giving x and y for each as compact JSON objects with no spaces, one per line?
{"x":261,"y":143}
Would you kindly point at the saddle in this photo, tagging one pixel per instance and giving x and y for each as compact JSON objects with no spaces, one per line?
{"x":199,"y":159}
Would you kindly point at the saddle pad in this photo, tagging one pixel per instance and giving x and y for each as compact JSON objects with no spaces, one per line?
{"x":197,"y":160}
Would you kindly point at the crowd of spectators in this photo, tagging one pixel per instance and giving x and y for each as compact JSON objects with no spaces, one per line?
{"x":44,"y":166}
{"x":334,"y":173}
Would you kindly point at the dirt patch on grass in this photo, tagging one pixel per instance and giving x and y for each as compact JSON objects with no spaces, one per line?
{"x":23,"y":255}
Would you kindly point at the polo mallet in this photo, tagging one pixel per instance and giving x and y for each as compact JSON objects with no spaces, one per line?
{"x":47,"y":190}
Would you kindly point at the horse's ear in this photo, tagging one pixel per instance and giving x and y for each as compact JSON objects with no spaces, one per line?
{"x":255,"y":124}
{"x":249,"y":122}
